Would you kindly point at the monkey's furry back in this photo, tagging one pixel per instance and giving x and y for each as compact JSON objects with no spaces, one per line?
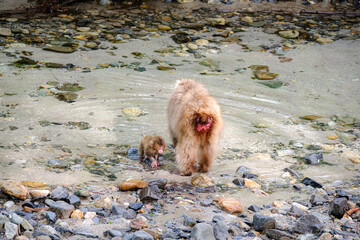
{"x":189,"y":99}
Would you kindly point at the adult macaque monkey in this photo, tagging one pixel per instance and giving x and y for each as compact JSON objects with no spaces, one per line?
{"x":195,"y":123}
{"x":151,"y":147}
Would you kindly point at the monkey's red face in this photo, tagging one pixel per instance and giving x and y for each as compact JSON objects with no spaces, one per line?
{"x":160,"y":149}
{"x":203,"y":123}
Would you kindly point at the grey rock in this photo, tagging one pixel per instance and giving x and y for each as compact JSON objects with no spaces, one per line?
{"x":234,"y":231}
{"x":242,"y":169}
{"x":136,"y":206}
{"x":202,"y":231}
{"x":160,"y":182}
{"x":117,"y":210}
{"x":308,"y":224}
{"x":293,"y":172}
{"x":14,"y":218}
{"x":295,"y":211}
{"x":338,"y":207}
{"x":11,"y":230}
{"x":60,"y":208}
{"x":138,"y":235}
{"x":317,"y":200}
{"x":129,"y":214}
{"x":278,"y":234}
{"x":254,"y":208}
{"x":74,"y":200}
{"x":50,"y":217}
{"x":262,"y":222}
{"x":221,"y":231}
{"x":188,"y":221}
{"x":169,"y":234}
{"x":113,"y":233}
{"x":47,"y":229}
{"x":3,"y":220}
{"x":314,"y":158}
{"x":59,"y":193}
{"x":148,"y":194}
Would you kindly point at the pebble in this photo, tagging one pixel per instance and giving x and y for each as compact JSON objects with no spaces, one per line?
{"x":314,"y":158}
{"x":324,"y":40}
{"x":5,"y":32}
{"x":133,"y":184}
{"x":202,"y":180}
{"x":77,"y":214}
{"x":229,"y":204}
{"x":289,"y":34}
{"x":201,"y":42}
{"x":132,"y":112}
{"x":338,"y":207}
{"x":11,"y":230}
{"x":90,"y":45}
{"x":251,"y":184}
{"x":15,"y":189}
{"x":247,"y":19}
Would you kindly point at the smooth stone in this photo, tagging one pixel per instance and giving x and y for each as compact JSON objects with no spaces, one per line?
{"x":133,"y":184}
{"x":202,"y":42}
{"x":229,"y":204}
{"x":83,"y":29}
{"x":262,"y":222}
{"x":5,"y":32}
{"x":60,"y":49}
{"x":117,"y":210}
{"x":216,"y":21}
{"x":73,"y":200}
{"x":192,"y":46}
{"x":159,"y":182}
{"x":15,"y":189}
{"x":104,"y":202}
{"x":247,"y":19}
{"x":254,"y":208}
{"x":132,"y":112}
{"x":221,"y":231}
{"x":278,"y":234}
{"x":33,"y":184}
{"x":137,"y":224}
{"x":139,"y":235}
{"x":324,"y":40}
{"x":210,"y":63}
{"x":129,"y":214}
{"x":8,"y":204}
{"x":295,"y":211}
{"x":289,"y":34}
{"x":90,"y":45}
{"x":164,"y":27}
{"x":202,"y":231}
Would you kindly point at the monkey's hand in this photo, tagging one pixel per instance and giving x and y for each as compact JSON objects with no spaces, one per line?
{"x":154,"y":164}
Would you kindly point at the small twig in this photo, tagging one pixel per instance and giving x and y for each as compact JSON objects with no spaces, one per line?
{"x":351,"y":211}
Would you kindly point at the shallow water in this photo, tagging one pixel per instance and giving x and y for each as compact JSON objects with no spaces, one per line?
{"x":321,"y":80}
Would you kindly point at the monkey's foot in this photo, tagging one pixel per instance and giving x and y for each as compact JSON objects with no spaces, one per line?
{"x":203,"y":169}
{"x":158,"y":163}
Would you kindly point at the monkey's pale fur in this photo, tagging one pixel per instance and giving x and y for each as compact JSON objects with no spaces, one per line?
{"x":191,"y":109}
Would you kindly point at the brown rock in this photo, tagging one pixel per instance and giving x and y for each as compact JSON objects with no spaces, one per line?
{"x":33,"y":184}
{"x":251,"y":184}
{"x":133,"y":184}
{"x":202,"y":180}
{"x":229,"y":204}
{"x":104,"y":203}
{"x":77,"y":214}
{"x":137,"y":224}
{"x":15,"y":189}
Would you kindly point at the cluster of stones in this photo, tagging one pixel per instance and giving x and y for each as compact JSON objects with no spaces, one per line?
{"x":31,"y":210}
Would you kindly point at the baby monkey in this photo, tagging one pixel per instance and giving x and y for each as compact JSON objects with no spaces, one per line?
{"x":151,"y":147}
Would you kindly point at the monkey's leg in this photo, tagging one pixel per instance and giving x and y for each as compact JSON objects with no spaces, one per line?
{"x":207,"y":156}
{"x":186,"y":156}
{"x":141,"y":152}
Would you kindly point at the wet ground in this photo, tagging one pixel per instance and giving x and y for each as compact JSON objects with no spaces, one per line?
{"x":264,"y":127}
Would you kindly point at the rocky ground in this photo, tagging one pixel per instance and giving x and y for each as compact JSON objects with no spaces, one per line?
{"x":69,"y":166}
